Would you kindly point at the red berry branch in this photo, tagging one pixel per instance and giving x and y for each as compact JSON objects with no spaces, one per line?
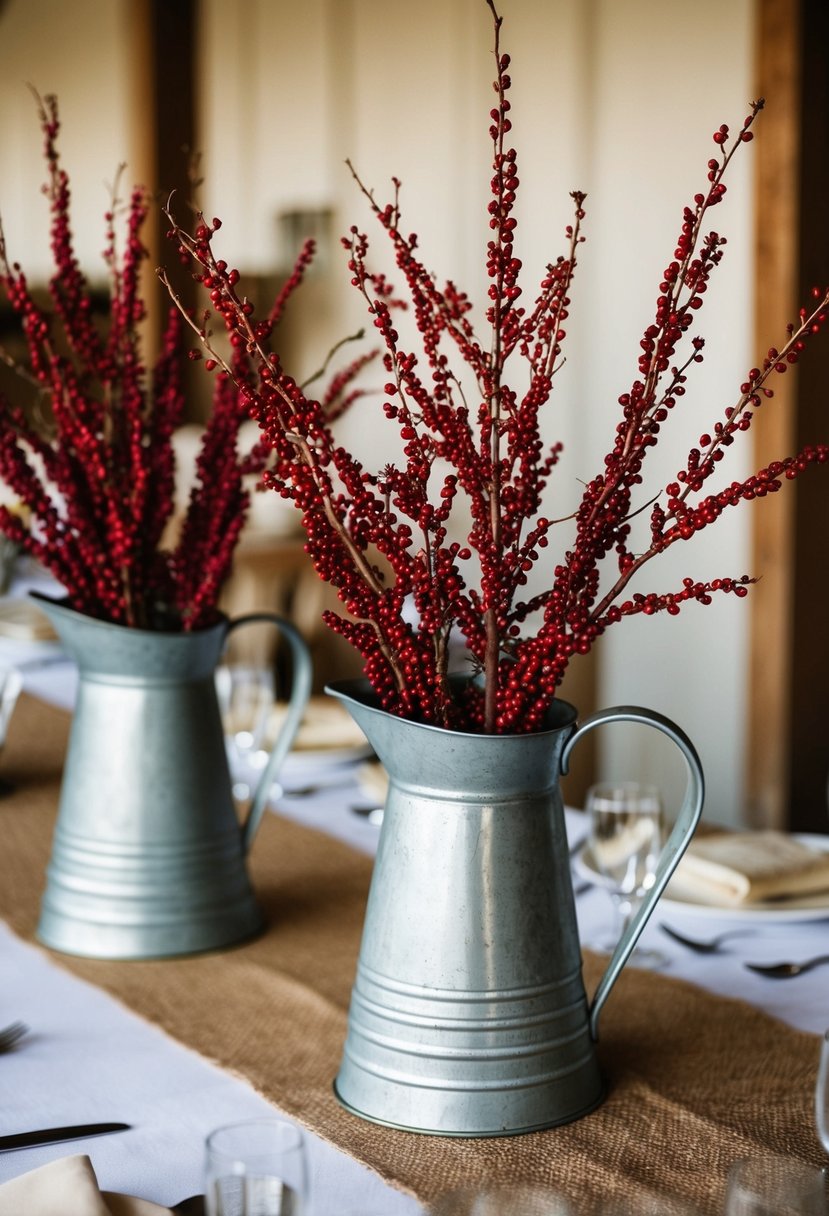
{"x":91,"y":456}
{"x":467,"y":410}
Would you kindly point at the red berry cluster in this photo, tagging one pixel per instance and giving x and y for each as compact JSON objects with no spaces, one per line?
{"x":385,"y":538}
{"x":91,"y":456}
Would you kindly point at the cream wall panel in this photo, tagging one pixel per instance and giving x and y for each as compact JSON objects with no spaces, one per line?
{"x":265,"y":116}
{"x":79,"y":51}
{"x":661,"y":86}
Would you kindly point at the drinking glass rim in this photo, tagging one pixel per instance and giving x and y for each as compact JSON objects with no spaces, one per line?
{"x":295,"y":1139}
{"x":624,"y":799}
{"x":643,"y":789}
{"x":745,"y":1173}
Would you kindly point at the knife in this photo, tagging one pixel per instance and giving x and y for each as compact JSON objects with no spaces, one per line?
{"x":51,"y":1135}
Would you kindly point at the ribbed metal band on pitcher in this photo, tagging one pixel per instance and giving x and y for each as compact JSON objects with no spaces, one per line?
{"x":503,"y":1052}
{"x":117,"y":901}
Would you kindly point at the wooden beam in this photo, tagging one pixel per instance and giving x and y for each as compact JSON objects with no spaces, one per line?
{"x":788,"y":713}
{"x":162,"y":90}
{"x":777,"y":171}
{"x":809,"y":707}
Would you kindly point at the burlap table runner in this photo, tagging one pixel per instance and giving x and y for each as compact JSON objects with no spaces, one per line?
{"x":694,"y":1081}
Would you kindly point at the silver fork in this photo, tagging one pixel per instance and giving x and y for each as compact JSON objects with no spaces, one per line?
{"x":702,"y":946}
{"x":787,"y":971}
{"x":11,"y":1034}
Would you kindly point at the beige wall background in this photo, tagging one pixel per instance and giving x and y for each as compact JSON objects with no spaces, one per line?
{"x":78,"y":52}
{"x":615,"y":97}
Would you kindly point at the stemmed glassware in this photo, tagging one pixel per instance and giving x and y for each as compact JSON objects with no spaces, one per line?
{"x":518,"y":1200}
{"x":649,"y":1205}
{"x":246,"y":694}
{"x":11,"y":682}
{"x":822,"y":1094}
{"x":774,"y":1186}
{"x":625,"y":838}
{"x":256,"y":1168}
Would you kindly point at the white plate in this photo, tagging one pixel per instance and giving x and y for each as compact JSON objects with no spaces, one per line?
{"x":815,"y":907}
{"x":16,"y":652}
{"x":306,"y":761}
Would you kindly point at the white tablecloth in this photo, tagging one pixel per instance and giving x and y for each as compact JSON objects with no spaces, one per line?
{"x":89,"y":1058}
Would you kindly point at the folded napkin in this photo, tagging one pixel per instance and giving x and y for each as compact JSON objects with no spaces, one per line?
{"x":325,"y":726}
{"x":641,"y":833}
{"x":68,"y":1187}
{"x":743,"y":868}
{"x":373,"y":781}
{"x":22,"y":620}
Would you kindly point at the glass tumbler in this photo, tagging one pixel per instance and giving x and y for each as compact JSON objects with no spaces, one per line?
{"x":256,"y":1168}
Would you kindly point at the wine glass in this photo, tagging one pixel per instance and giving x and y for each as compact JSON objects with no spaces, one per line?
{"x":625,"y":838}
{"x":246,"y":694}
{"x":646,"y":1205}
{"x":522,"y":1199}
{"x":256,"y":1168}
{"x":774,"y":1186}
{"x":822,"y":1094}
{"x":11,"y":682}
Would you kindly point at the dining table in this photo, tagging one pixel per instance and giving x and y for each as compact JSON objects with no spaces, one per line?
{"x":93,"y":1053}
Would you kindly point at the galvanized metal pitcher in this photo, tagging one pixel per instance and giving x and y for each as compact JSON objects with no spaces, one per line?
{"x":468,"y":1014}
{"x":148,"y":855}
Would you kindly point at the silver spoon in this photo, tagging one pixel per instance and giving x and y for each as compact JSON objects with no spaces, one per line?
{"x":785,"y":971}
{"x":702,"y":946}
{"x":370,"y":811}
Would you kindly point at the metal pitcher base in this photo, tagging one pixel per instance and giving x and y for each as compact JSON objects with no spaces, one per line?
{"x":118,"y":901}
{"x":507,"y":1129}
{"x":467,"y":1062}
{"x":121,"y":931}
{"x":89,"y":939}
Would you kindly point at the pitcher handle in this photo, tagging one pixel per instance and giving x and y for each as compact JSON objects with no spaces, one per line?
{"x":677,"y":842}
{"x":301,"y":673}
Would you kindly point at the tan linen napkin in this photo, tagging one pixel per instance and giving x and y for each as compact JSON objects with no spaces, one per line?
{"x":325,"y":726}
{"x":736,"y":868}
{"x":374,"y":781}
{"x":24,"y":621}
{"x":68,"y":1187}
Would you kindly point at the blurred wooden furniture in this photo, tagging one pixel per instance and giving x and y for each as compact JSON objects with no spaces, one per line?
{"x":274,"y":574}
